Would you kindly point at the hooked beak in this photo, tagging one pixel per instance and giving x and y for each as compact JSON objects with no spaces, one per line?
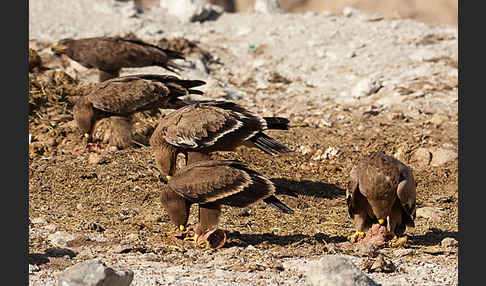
{"x":57,"y":48}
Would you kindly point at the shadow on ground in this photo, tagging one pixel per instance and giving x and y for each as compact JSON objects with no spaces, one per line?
{"x":432,"y":237}
{"x":244,"y":240}
{"x":308,"y":188}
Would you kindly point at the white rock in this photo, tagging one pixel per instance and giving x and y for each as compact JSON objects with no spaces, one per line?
{"x":38,"y":220}
{"x":190,"y":10}
{"x":305,"y":149}
{"x":33,"y":268}
{"x":330,"y":152}
{"x":94,"y":273}
{"x":441,"y":156}
{"x":421,"y":156}
{"x":350,"y":11}
{"x":449,"y":242}
{"x":268,"y":7}
{"x":338,"y":271}
{"x":366,"y":87}
{"x":61,"y":238}
{"x":429,"y":212}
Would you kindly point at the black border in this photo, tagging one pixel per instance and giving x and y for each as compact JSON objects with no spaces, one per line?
{"x":15,"y":187}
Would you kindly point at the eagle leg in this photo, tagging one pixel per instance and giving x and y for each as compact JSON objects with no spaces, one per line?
{"x":356,"y":236}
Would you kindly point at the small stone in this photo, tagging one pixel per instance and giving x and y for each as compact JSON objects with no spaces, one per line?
{"x":442,"y":156}
{"x":95,"y":158}
{"x":191,"y":10}
{"x":305,"y":150}
{"x":38,"y":220}
{"x":62,"y":239}
{"x":33,"y":268}
{"x":268,"y":7}
{"x":400,"y":252}
{"x":50,"y":227}
{"x":429,"y":213}
{"x":330,"y":152}
{"x":317,"y":155}
{"x":449,"y":242}
{"x":250,"y":247}
{"x":99,"y":238}
{"x":421,"y":157}
{"x":350,"y":11}
{"x":382,"y":264}
{"x":94,"y":273}
{"x":338,"y":271}
{"x":112,"y":148}
{"x":366,"y":87}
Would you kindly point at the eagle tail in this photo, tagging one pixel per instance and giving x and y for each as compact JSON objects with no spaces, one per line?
{"x":268,"y":145}
{"x":277,"y":204}
{"x":277,"y":123}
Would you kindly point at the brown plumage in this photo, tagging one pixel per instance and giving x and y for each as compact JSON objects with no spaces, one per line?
{"x":211,"y":184}
{"x":381,"y":189}
{"x":125,"y":95}
{"x":34,"y":60}
{"x":113,"y":131}
{"x":198,"y":129}
{"x":110,"y":54}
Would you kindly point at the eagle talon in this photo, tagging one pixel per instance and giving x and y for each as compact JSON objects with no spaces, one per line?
{"x":356,"y":236}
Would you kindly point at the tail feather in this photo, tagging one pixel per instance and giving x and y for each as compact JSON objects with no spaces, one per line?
{"x":277,"y":204}
{"x":173,"y":54}
{"x":268,"y":145}
{"x":278,"y":123}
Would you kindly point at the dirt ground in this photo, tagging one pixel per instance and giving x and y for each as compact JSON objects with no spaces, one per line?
{"x":435,"y":11}
{"x":113,"y":204}
{"x":118,"y":197}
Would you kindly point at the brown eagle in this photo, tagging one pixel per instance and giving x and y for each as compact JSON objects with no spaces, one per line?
{"x":211,"y":184}
{"x":120,"y":97}
{"x":198,"y":129}
{"x":35,"y":61}
{"x":381,"y":189}
{"x":110,"y":54}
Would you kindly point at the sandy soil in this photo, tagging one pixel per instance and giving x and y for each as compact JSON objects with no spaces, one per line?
{"x":319,"y":70}
{"x":432,"y":11}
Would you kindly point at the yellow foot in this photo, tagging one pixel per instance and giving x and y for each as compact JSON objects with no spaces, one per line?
{"x":358,"y":234}
{"x":181,"y":228}
{"x":190,"y":237}
{"x":398,"y":242}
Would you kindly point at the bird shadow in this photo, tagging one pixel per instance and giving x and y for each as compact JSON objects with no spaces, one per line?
{"x":433,"y":237}
{"x":243,"y":240}
{"x":43,"y":258}
{"x":308,"y":188}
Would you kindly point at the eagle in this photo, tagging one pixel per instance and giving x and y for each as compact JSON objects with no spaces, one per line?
{"x":35,"y":61}
{"x":381,"y":189}
{"x":110,"y":54}
{"x":198,"y":129}
{"x":120,"y":97}
{"x":211,"y":184}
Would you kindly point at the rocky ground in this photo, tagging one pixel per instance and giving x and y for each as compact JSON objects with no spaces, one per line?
{"x":351,"y":83}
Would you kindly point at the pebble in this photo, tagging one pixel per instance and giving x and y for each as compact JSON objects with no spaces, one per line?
{"x":400,"y":252}
{"x":38,"y":220}
{"x":268,"y":7}
{"x":442,"y":156}
{"x":449,"y":242}
{"x":61,"y":239}
{"x":191,"y":10}
{"x":366,"y":87}
{"x":432,"y":213}
{"x":421,"y":157}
